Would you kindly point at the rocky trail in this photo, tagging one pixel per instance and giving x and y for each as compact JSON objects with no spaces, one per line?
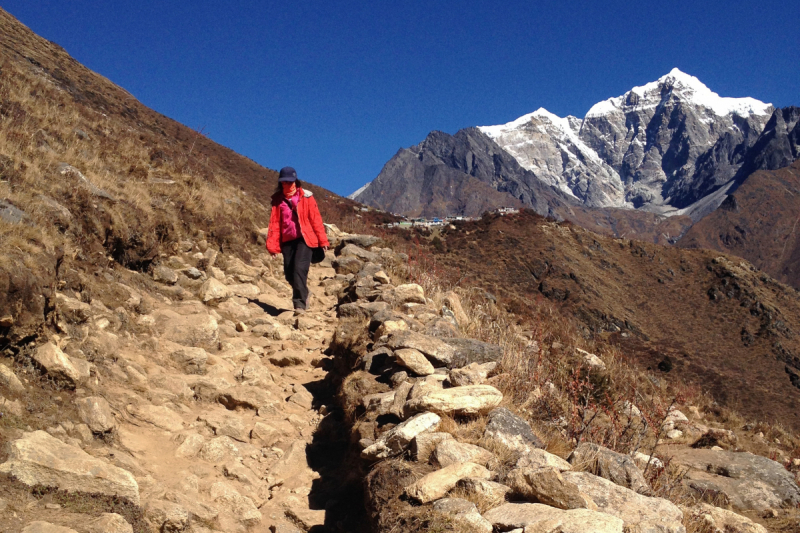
{"x":200,"y":402}
{"x":197,"y":405}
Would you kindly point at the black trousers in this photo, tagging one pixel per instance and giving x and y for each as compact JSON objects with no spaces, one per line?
{"x":296,"y":262}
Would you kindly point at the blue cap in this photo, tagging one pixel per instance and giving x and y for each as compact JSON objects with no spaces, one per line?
{"x":288,"y":174}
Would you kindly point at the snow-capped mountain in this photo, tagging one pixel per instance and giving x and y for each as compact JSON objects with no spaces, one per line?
{"x":550,"y":147}
{"x":640,"y":149}
{"x":671,"y":146}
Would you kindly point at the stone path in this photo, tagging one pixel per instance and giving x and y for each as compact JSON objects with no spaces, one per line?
{"x":200,"y":404}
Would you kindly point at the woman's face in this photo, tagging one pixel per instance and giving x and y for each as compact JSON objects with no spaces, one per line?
{"x":288,"y":187}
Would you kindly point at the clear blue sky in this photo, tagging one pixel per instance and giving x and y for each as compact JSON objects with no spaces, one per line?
{"x":335,"y":88}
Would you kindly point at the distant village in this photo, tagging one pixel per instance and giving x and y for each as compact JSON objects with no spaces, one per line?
{"x":440,"y":221}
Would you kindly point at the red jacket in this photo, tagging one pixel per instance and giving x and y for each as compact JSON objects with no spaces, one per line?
{"x":310,"y":222}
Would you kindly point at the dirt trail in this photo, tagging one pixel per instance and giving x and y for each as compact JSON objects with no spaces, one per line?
{"x":218,"y":409}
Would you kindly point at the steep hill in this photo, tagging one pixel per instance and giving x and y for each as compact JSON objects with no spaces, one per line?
{"x":89,"y":176}
{"x":706,"y":319}
{"x":759,"y":222}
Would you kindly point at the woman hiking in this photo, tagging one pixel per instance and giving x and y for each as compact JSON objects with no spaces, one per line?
{"x":295,"y":229}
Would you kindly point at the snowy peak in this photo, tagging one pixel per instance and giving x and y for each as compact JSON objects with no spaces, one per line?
{"x":687,"y":88}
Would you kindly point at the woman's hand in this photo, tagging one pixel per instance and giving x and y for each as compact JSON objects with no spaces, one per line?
{"x":273,"y":255}
{"x":325,"y":248}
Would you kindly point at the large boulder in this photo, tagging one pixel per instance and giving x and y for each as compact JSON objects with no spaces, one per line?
{"x":510,"y":431}
{"x":364,"y":241}
{"x":436,"y":484}
{"x":39,"y":459}
{"x":60,"y":366}
{"x":347,"y":265}
{"x":538,"y":517}
{"x":616,"y":467}
{"x":434,"y":349}
{"x":642,"y":513}
{"x":548,"y":486}
{"x":724,"y":521}
{"x":96,"y":413}
{"x":750,"y":482}
{"x":362,"y":254}
{"x":458,"y":401}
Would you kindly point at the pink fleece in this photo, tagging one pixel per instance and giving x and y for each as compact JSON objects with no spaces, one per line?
{"x":290,"y":224}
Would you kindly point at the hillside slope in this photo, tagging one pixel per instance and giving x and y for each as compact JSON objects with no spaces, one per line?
{"x":710,"y":320}
{"x":89,"y":176}
{"x":759,"y":222}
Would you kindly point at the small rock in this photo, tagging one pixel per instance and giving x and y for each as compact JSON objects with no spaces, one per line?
{"x":193,"y":273}
{"x":402,"y":294}
{"x":6,"y":321}
{"x":436,"y":484}
{"x":226,"y":424}
{"x":424,"y":444}
{"x":399,"y":437}
{"x":165,"y":275}
{"x":213,"y":290}
{"x":537,"y":458}
{"x":167,"y":516}
{"x":472,"y":374}
{"x":450,"y":451}
{"x":60,"y":366}
{"x":110,"y":523}
{"x":509,"y":430}
{"x":242,"y":507}
{"x":190,"y":446}
{"x":414,"y":360}
{"x":10,"y":380}
{"x":462,"y":512}
{"x":265,"y":434}
{"x":489,"y":491}
{"x":96,"y":413}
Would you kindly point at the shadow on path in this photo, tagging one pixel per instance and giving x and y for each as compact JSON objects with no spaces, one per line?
{"x":339,"y":489}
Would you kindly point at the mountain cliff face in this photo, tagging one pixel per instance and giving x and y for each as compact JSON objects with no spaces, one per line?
{"x":669,"y":147}
{"x":464,"y":174}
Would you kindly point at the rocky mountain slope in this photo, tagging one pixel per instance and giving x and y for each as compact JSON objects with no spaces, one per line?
{"x":661,"y":147}
{"x":707,"y":319}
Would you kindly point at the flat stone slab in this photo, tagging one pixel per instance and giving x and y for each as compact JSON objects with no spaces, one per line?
{"x":41,"y":459}
{"x":468,"y":400}
{"x":540,"y":517}
{"x":434,"y":349}
{"x":750,"y":482}
{"x":643,"y":513}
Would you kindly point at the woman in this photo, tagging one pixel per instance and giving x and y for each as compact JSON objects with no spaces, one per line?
{"x":295,"y":228}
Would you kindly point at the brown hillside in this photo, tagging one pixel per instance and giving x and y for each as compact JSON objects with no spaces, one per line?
{"x":696,"y":316}
{"x":90,"y":177}
{"x":758,"y":222}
